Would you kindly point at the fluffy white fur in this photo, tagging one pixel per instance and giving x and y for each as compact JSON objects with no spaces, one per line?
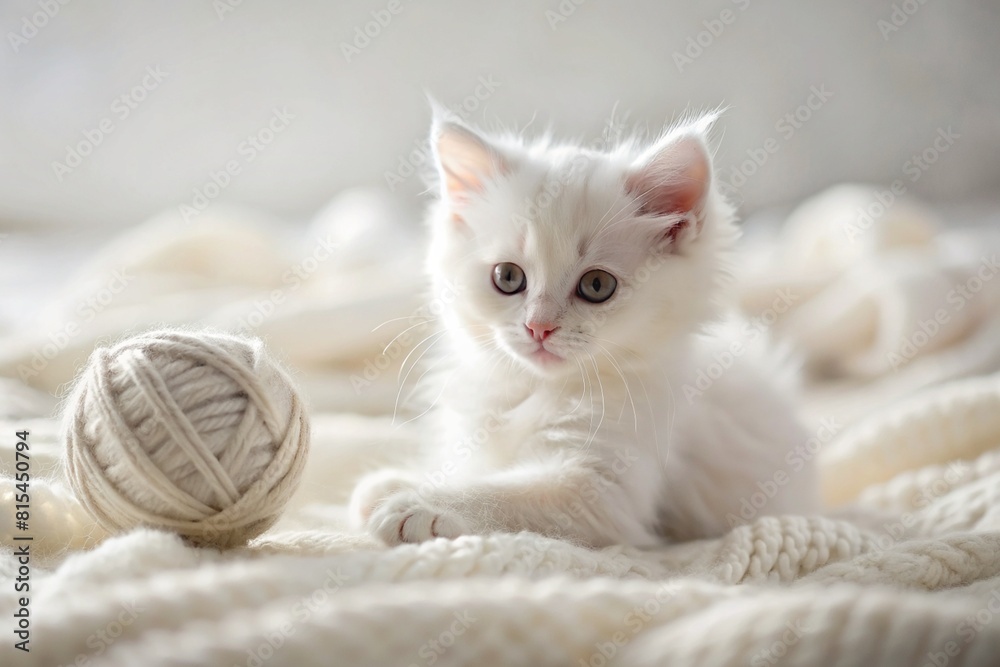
{"x":565,"y":417}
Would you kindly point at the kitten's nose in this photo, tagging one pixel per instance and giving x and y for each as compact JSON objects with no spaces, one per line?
{"x":540,"y":330}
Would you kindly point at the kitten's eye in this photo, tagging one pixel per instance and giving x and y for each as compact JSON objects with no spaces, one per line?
{"x":596,"y":286}
{"x":509,"y":278}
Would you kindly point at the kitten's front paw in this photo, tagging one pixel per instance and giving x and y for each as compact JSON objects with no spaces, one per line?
{"x":406,"y":517}
{"x":374,"y":489}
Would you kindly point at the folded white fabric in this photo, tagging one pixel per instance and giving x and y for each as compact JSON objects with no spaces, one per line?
{"x":878,"y":290}
{"x":905,"y":571}
{"x":912,"y":575}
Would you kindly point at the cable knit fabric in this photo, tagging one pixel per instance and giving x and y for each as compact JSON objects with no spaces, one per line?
{"x":907,"y":584}
{"x":903,"y":570}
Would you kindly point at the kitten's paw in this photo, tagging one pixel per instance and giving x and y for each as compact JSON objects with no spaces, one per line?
{"x":406,"y":517}
{"x":373,"y":490}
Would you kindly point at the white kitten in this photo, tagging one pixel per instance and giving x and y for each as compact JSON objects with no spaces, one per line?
{"x":581,"y":283}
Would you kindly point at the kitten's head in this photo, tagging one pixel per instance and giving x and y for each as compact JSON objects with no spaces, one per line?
{"x":561,"y":255}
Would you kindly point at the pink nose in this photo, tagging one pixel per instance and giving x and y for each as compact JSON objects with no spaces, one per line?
{"x":540,"y":330}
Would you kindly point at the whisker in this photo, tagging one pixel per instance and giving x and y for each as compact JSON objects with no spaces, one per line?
{"x":418,"y":383}
{"x":597,"y":374}
{"x":628,"y":391}
{"x":402,"y":366}
{"x":387,"y":345}
{"x":402,"y":383}
{"x":583,"y":391}
{"x":590,"y":426}
{"x":396,"y":319}
{"x":433,"y":403}
{"x":416,"y":386}
{"x":671,"y":414}
{"x":671,"y":411}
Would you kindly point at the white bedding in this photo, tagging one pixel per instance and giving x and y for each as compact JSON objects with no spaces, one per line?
{"x":904,"y":571}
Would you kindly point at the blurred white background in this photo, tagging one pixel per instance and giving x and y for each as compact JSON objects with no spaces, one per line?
{"x":359,"y":108}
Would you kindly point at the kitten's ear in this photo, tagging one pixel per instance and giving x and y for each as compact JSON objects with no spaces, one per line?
{"x":465,"y":160}
{"x":674,"y":179}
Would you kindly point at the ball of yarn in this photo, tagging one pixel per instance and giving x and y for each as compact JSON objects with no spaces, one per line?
{"x":200,"y":433}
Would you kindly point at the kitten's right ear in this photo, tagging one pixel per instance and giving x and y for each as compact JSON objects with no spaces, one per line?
{"x":673,"y":180}
{"x":466,"y":161}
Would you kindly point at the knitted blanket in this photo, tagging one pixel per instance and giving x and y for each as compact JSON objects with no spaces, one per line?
{"x":903,"y":570}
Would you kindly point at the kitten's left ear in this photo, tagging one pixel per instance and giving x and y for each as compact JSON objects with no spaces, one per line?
{"x":673,"y":180}
{"x":465,"y":160}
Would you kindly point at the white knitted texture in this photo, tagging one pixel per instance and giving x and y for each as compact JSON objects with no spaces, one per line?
{"x":865,"y":589}
{"x":779,"y":591}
